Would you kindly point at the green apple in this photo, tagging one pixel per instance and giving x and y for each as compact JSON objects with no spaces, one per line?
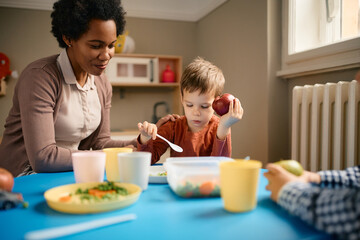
{"x":291,"y":166}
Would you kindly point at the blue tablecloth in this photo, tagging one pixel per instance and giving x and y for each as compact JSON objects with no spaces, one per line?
{"x":160,"y":215}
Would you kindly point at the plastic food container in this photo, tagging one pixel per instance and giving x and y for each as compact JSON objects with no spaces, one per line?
{"x":194,"y":177}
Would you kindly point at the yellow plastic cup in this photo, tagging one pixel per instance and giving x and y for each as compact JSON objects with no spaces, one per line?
{"x":239,"y":181}
{"x":112,"y":165}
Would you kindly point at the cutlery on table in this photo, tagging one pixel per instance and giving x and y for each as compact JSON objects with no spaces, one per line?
{"x":76,"y":228}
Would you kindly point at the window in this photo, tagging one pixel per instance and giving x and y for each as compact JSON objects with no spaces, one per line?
{"x":320,"y":35}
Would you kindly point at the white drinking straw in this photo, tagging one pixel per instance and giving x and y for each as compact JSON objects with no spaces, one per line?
{"x":76,"y":228}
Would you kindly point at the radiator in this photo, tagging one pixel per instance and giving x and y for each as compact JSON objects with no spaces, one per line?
{"x":325,"y":130}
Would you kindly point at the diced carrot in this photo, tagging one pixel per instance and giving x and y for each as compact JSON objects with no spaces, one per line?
{"x":65,"y":198}
{"x":99,"y":193}
{"x":206,"y":188}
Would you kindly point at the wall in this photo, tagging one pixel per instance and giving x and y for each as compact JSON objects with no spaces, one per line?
{"x":152,"y":37}
{"x":344,"y":75}
{"x":25,"y":36}
{"x":242,"y":38}
{"x":278,"y":138}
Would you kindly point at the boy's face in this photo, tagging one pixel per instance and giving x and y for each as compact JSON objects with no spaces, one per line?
{"x":198,"y":110}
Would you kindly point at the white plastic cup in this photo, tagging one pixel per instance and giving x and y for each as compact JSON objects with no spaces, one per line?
{"x":135,"y":168}
{"x":89,"y":166}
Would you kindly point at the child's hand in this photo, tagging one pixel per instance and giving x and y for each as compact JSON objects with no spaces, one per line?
{"x":227,"y":120}
{"x":147,"y":131}
{"x":278,"y":177}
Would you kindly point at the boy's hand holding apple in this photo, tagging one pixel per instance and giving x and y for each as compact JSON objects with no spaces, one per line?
{"x":147,"y":131}
{"x":230,"y":110}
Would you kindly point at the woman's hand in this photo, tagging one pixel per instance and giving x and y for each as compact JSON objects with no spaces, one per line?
{"x":233,"y":116}
{"x":278,"y":177}
{"x":165,"y":119}
{"x":147,"y":131}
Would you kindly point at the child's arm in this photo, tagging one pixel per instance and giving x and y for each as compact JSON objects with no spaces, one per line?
{"x":222,"y":147}
{"x":157,"y":147}
{"x":350,"y":177}
{"x":147,"y":131}
{"x":334,"y":210}
{"x":226,"y":121}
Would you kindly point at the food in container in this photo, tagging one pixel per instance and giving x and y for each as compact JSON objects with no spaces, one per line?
{"x":194,"y":177}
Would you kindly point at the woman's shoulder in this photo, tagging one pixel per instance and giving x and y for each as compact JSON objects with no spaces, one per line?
{"x":43,"y":72}
{"x":43,"y":63}
{"x":102,"y":81}
{"x":42,"y":69}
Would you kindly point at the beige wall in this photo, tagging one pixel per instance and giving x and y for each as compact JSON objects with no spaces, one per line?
{"x":278,"y":139}
{"x":25,"y":36}
{"x":234,"y":36}
{"x":345,"y":75}
{"x":241,"y":37}
{"x":151,"y":37}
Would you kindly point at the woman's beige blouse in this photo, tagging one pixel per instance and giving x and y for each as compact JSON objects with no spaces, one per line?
{"x":80,"y":111}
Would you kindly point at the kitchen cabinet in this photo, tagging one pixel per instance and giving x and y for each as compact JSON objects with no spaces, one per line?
{"x":162,"y":61}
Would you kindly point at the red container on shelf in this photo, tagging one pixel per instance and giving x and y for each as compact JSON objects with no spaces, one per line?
{"x":168,"y":75}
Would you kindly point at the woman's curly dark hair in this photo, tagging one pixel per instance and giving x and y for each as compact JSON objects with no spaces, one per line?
{"x":71,"y":17}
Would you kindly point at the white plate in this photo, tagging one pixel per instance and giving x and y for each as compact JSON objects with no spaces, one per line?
{"x":154,"y":177}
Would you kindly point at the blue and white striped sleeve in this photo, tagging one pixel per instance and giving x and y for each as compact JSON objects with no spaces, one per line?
{"x":335,"y":211}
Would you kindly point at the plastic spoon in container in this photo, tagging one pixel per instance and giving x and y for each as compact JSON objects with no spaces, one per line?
{"x":175,"y":147}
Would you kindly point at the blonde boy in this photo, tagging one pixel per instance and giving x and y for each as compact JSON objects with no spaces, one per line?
{"x":199,"y":132}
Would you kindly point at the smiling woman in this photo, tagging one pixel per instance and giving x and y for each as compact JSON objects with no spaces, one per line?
{"x":91,"y":53}
{"x":62,"y":103}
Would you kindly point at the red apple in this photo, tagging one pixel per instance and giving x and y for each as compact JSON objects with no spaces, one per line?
{"x":221,"y":104}
{"x":6,"y":180}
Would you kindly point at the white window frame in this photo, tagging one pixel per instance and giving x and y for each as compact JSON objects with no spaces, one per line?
{"x":337,"y":56}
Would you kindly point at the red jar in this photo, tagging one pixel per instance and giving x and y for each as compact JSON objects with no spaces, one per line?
{"x":168,"y":75}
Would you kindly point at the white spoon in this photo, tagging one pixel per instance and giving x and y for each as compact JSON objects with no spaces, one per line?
{"x":175,"y":147}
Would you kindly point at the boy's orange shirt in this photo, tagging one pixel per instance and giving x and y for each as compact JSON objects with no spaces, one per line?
{"x":202,"y":143}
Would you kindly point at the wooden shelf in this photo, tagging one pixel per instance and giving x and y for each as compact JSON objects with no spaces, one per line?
{"x":175,"y":63}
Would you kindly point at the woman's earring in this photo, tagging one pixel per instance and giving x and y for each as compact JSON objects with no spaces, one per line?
{"x":69,"y":45}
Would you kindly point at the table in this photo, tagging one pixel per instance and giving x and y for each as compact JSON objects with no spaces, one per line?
{"x":160,"y":215}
